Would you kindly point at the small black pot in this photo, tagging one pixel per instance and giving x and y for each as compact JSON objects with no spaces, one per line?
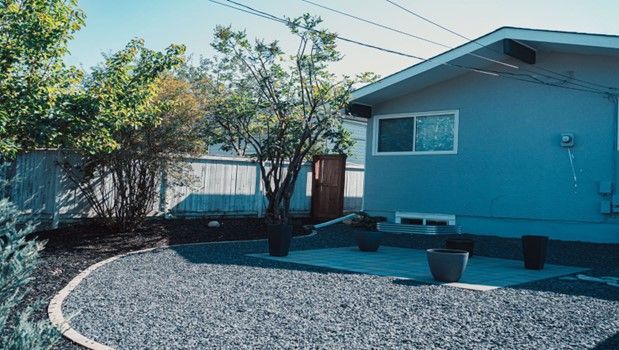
{"x":368,"y":241}
{"x":279,"y":236}
{"x":458,"y":243}
{"x":534,"y":251}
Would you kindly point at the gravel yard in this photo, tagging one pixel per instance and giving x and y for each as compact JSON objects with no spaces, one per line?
{"x":69,"y":250}
{"x":214,"y":296}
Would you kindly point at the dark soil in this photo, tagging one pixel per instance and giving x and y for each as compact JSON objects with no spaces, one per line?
{"x":71,"y":249}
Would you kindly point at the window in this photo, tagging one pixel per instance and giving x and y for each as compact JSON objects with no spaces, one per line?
{"x":416,"y":133}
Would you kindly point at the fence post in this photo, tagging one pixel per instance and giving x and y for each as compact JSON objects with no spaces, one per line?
{"x":56,"y":176}
{"x":259,"y":196}
{"x":163,"y":197}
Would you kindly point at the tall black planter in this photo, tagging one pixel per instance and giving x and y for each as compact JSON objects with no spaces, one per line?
{"x":279,"y":236}
{"x":534,"y":251}
{"x":458,"y":243}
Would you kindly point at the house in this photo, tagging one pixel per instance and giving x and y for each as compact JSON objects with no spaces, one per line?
{"x":355,"y":125}
{"x":512,"y":133}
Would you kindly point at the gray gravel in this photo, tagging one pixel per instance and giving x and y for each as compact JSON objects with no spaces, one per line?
{"x":213,"y":296}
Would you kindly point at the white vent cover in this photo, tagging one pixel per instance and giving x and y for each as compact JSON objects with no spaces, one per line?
{"x":425,"y":217}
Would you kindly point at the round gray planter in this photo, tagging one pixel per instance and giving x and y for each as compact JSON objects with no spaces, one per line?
{"x":447,"y":265}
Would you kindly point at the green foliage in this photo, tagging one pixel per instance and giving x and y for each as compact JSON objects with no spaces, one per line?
{"x":18,"y":261}
{"x":279,"y":109}
{"x":32,"y":74}
{"x":131,"y":126}
{"x":365,"y":221}
{"x":117,"y":98}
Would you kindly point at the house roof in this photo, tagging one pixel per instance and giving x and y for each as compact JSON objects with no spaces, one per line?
{"x":444,"y":66}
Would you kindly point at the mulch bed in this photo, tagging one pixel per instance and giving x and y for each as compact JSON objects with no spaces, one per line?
{"x":71,"y":249}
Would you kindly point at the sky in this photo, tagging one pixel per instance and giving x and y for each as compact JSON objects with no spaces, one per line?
{"x":110,"y":24}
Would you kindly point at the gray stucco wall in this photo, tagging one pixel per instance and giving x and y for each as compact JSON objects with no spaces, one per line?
{"x":510,"y":176}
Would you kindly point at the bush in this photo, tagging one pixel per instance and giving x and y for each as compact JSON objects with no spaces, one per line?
{"x":131,"y":125}
{"x":365,"y":221}
{"x":18,"y":261}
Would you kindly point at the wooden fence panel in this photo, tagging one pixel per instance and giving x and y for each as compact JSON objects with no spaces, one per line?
{"x":218,"y":186}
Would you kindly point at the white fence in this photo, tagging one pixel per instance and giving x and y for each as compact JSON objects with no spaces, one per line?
{"x":222,"y":186}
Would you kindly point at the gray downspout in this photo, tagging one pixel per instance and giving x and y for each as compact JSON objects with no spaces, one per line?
{"x":616,"y":152}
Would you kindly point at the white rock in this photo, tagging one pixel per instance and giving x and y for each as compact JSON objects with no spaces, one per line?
{"x":214,"y":224}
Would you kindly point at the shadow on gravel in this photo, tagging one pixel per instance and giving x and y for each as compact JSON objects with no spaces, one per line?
{"x":600,"y":258}
{"x":409,"y":283}
{"x":609,"y":343}
{"x":576,"y":288}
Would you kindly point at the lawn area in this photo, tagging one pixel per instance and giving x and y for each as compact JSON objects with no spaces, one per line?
{"x":217,"y":296}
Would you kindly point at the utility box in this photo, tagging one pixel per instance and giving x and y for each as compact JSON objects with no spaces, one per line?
{"x":605,"y":187}
{"x":605,"y":207}
{"x":615,"y":204}
{"x":567,"y":139}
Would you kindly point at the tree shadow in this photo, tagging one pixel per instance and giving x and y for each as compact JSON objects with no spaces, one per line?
{"x":560,"y":253}
{"x":611,"y":343}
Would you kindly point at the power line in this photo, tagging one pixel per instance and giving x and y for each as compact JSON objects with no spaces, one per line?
{"x":377,"y":24}
{"x":287,"y":22}
{"x":267,"y":15}
{"x":405,"y":33}
{"x":613,"y":89}
{"x":446,"y":46}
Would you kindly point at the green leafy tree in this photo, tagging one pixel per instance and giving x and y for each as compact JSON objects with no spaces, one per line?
{"x":18,"y":261}
{"x":33,"y":41}
{"x":131,"y":124}
{"x":276,"y":108}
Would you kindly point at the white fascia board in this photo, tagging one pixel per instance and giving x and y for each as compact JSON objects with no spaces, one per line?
{"x":569,"y":38}
{"x":428,"y":64}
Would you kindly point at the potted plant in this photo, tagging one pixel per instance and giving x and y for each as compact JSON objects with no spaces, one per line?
{"x":534,"y":251}
{"x":279,"y":235}
{"x":447,"y":265}
{"x":367,"y":236}
{"x":278,"y":109}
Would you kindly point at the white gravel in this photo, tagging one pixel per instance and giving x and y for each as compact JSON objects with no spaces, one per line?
{"x":213,"y":296}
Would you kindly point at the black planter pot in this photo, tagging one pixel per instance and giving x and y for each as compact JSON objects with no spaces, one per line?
{"x":368,"y":241}
{"x":458,"y":243}
{"x":279,"y":236}
{"x":534,"y":251}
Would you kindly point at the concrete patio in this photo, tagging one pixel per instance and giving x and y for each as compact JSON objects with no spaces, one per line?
{"x":482,"y":273}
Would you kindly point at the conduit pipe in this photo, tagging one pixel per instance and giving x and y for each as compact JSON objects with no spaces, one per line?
{"x":330,"y":222}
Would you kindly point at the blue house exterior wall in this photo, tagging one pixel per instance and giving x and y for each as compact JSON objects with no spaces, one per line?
{"x":510,"y":175}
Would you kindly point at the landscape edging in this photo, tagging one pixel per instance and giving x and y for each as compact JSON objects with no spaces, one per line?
{"x":54,"y":309}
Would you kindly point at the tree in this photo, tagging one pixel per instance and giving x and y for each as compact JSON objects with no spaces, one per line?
{"x":131,"y":123}
{"x":33,"y":76}
{"x":33,"y":40}
{"x":276,"y":109}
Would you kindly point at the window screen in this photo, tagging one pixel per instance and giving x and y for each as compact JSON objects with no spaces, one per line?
{"x":434,"y":133}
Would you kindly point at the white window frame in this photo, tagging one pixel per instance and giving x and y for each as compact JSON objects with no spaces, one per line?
{"x":378,"y":118}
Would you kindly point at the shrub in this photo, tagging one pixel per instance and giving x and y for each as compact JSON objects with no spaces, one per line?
{"x":365,"y":221}
{"x":18,"y":261}
{"x":132,"y":125}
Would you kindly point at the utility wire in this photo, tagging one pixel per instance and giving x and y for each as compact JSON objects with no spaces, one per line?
{"x":609,"y":88}
{"x":253,"y":11}
{"x":405,"y":33}
{"x":250,"y":10}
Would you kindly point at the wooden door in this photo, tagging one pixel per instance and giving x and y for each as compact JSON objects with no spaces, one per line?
{"x":328,"y":175}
